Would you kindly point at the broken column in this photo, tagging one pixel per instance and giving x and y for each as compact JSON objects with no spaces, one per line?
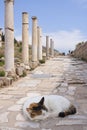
{"x":51,"y":48}
{"x":9,"y":36}
{"x":39,"y":41}
{"x":25,"y":38}
{"x":47,"y":47}
{"x":0,"y":37}
{"x":34,"y":42}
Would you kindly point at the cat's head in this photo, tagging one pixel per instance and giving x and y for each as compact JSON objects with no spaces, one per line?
{"x":36,"y":109}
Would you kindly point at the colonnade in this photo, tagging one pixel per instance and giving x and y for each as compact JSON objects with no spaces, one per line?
{"x":36,"y":39}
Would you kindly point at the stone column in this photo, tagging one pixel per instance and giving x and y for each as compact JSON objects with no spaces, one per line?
{"x":39,"y":41}
{"x":34,"y":42}
{"x":0,"y":37}
{"x":47,"y":47}
{"x":25,"y":38}
{"x":51,"y":48}
{"x":9,"y":36}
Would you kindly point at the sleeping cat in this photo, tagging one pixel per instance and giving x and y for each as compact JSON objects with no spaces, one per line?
{"x":39,"y":108}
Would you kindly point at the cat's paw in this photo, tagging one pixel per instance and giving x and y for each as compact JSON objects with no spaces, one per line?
{"x":61,"y":114}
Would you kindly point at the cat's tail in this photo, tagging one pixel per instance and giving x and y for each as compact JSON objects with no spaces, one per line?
{"x":70,"y":111}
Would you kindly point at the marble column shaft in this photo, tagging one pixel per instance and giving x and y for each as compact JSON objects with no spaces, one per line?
{"x":34,"y":40}
{"x":9,"y":35}
{"x":51,"y":48}
{"x":25,"y":38}
{"x":47,"y":47}
{"x":39,"y":41}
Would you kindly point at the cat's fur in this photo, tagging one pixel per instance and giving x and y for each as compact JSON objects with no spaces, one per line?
{"x":42,"y":107}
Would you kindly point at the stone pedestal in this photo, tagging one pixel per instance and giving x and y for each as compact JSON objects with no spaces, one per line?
{"x":47,"y":47}
{"x":39,"y":41}
{"x":25,"y":38}
{"x":9,"y":36}
{"x":34,"y":42}
{"x":51,"y":48}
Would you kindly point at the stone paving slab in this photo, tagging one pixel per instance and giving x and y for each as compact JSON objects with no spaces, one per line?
{"x":64,"y":76}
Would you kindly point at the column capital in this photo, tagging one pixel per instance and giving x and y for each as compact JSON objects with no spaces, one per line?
{"x":47,"y":37}
{"x":24,"y":12}
{"x":8,"y":0}
{"x":34,"y":17}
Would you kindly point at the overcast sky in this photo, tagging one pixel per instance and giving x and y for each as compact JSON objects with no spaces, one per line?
{"x":65,"y":21}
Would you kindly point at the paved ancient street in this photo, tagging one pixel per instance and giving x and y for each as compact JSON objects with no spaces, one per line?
{"x":63,"y":76}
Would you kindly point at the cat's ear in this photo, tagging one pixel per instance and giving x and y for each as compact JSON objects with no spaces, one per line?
{"x":41,"y":102}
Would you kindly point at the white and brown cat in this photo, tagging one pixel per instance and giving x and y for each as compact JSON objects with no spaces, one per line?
{"x":42,"y":107}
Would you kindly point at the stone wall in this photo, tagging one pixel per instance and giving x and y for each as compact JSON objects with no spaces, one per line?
{"x":81,"y":51}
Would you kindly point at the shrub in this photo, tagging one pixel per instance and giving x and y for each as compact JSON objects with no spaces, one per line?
{"x":2,"y":63}
{"x":1,"y":54}
{"x":42,"y":61}
{"x":2,"y":73}
{"x":20,"y":49}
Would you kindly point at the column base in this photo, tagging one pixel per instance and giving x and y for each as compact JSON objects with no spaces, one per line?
{"x":11,"y":74}
{"x":34,"y":64}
